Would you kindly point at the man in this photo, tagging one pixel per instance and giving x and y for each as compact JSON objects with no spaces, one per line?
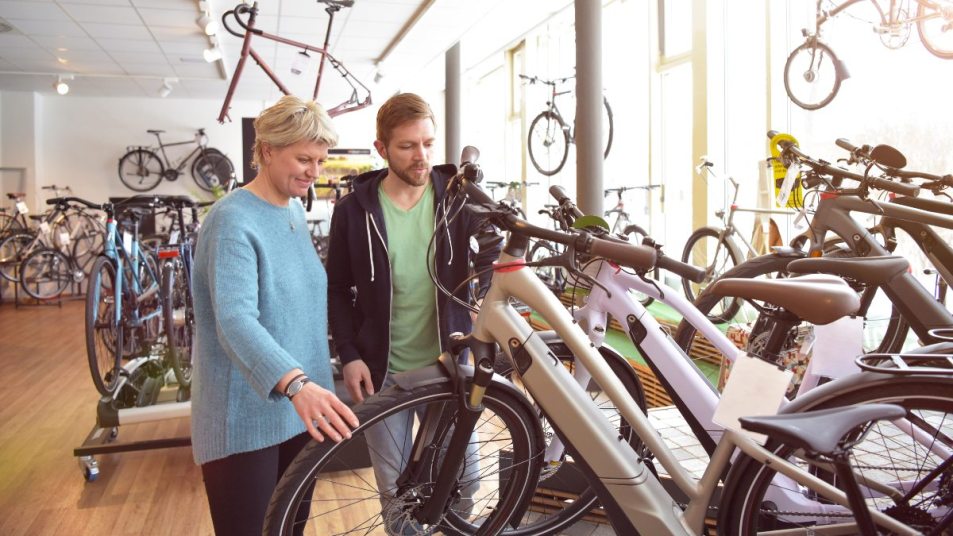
{"x":386,"y":315}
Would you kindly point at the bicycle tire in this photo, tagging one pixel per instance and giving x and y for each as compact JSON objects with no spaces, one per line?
{"x":551,"y":276}
{"x":178,"y":321}
{"x":611,"y":127}
{"x":104,"y":335}
{"x":145,"y":165}
{"x":549,"y":133}
{"x":508,"y":409}
{"x":556,"y":513}
{"x":149,"y":330}
{"x":813,"y":51}
{"x":713,"y":270}
{"x":211,"y":170}
{"x":930,"y":408}
{"x":11,"y":254}
{"x":926,"y":21}
{"x":636,"y":234}
{"x":45,"y":274}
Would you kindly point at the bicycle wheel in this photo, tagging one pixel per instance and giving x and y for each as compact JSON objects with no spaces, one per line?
{"x":12,"y":249}
{"x":636,"y":234}
{"x":211,"y":170}
{"x":607,"y":127}
{"x":706,"y":249}
{"x":178,"y":320}
{"x":558,"y":502}
{"x":140,"y":170}
{"x":149,"y":302}
{"x":935,"y":26}
{"x":552,"y":276}
{"x":812,"y":75}
{"x":45,"y":274}
{"x":87,"y":243}
{"x":344,"y":488}
{"x":912,"y":472}
{"x":104,"y":336}
{"x":548,"y":143}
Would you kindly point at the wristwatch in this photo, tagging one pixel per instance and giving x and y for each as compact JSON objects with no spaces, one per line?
{"x":296,"y":385}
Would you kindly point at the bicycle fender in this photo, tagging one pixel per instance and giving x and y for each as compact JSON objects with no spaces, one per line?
{"x":861,"y":381}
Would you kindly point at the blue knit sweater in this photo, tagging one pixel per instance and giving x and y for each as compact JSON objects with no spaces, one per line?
{"x":260,"y":310}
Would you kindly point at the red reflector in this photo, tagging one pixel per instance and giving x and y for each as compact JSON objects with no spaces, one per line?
{"x":168,"y":253}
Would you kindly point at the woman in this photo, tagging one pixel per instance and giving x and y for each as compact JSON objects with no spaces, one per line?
{"x":262,"y":381}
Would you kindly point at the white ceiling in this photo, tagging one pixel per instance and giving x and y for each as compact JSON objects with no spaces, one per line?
{"x":127,"y":47}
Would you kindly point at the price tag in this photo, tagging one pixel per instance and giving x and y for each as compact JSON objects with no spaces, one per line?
{"x":22,"y":208}
{"x":788,"y":183}
{"x":44,"y":227}
{"x":102,"y":219}
{"x":754,"y":388}
{"x":836,"y":346}
{"x":174,"y":237}
{"x":64,"y":238}
{"x":127,"y":242}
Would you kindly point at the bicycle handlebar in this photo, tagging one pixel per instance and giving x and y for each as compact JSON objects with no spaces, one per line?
{"x":825,"y":168}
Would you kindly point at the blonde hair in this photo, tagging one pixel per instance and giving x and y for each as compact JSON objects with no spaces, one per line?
{"x":289,"y":121}
{"x":398,"y":110}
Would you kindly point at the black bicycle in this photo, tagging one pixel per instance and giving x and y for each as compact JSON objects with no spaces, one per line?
{"x":141,"y":169}
{"x":550,"y":134}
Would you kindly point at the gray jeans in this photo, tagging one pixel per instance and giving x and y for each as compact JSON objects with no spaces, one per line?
{"x":390,"y":443}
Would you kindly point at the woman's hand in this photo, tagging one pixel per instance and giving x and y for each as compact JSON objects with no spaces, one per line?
{"x":323,"y":413}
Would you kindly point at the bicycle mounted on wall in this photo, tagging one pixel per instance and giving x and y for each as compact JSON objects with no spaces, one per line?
{"x":354,"y":102}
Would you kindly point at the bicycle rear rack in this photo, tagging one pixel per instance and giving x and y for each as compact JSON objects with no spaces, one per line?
{"x":902,"y":364}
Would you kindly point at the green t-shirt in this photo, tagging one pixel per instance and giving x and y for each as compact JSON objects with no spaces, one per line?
{"x":414,"y":339}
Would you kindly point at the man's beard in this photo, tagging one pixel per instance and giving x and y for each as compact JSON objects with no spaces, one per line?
{"x":410,"y":178}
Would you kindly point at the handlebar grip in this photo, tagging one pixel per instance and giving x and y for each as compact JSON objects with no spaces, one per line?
{"x":559,"y":194}
{"x":896,"y":187}
{"x":53,"y":201}
{"x":685,"y":271}
{"x":638,"y":257}
{"x":845,"y":144}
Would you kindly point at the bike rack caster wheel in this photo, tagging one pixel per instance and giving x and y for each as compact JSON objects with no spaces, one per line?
{"x":113,"y":433}
{"x":90,"y":468}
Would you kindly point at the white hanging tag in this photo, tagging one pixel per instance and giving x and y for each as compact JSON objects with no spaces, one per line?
{"x":127,"y":242}
{"x":174,"y":237}
{"x":836,"y":346}
{"x":754,"y":388}
{"x":44,"y":227}
{"x":22,"y":208}
{"x":789,"y":179}
{"x":64,"y":238}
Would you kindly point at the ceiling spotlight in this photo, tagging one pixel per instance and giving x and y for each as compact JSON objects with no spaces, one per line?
{"x":167,"y":86}
{"x":207,"y":24}
{"x":212,"y":53}
{"x":61,"y":86}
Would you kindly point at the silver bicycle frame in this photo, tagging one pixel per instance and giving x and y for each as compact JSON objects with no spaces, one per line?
{"x":625,"y":480}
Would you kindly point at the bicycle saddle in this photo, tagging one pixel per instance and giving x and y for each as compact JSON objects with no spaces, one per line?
{"x":815,"y":299}
{"x":819,"y":431}
{"x":873,"y":270}
{"x":156,"y":131}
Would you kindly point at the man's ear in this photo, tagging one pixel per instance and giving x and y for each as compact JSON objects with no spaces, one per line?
{"x":381,"y":149}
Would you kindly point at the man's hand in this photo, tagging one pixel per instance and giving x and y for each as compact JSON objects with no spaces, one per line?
{"x":355,"y":374}
{"x":323,"y":413}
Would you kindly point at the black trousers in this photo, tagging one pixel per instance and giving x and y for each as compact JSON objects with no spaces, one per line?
{"x":239,"y":487}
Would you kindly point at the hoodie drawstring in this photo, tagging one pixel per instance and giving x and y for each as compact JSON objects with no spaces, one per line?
{"x":370,"y":247}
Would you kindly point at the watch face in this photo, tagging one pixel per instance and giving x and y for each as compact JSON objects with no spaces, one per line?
{"x":295,"y":387}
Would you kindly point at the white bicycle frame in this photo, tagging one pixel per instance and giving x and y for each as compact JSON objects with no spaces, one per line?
{"x":625,"y":484}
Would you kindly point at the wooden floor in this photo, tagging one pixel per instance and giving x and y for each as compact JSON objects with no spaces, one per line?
{"x":47,"y":408}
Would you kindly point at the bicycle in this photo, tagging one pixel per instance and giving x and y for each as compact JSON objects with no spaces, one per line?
{"x":622,"y":225}
{"x":813,"y":73}
{"x":123,"y":305}
{"x":141,"y":169}
{"x":715,"y":249}
{"x":550,"y":134}
{"x":353,"y":103}
{"x":452,"y":397}
{"x":906,"y":302}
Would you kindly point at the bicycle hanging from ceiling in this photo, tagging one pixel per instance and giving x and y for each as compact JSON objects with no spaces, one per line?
{"x":360,"y":94}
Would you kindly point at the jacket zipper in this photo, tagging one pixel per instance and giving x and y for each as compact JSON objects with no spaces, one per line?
{"x":390,"y":288}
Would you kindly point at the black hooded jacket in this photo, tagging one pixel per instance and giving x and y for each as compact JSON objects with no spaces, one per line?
{"x":359,"y":279}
